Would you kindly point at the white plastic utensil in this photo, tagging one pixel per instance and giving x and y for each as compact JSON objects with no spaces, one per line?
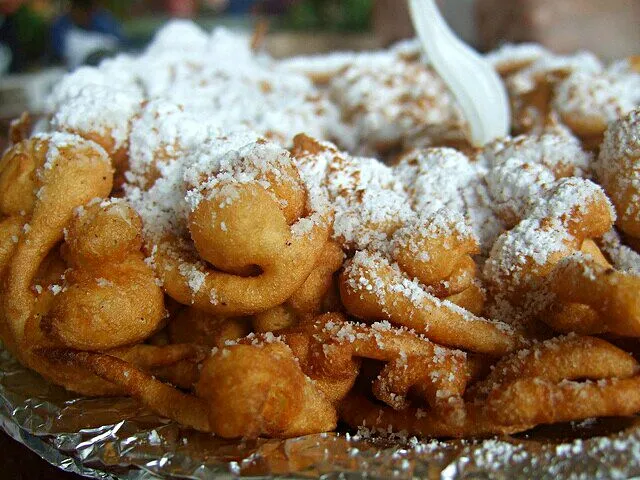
{"x":473,"y":81}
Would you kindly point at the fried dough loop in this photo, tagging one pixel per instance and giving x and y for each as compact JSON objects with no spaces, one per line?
{"x":572,"y":211}
{"x":611,"y":295}
{"x":316,"y":295}
{"x":315,"y":363}
{"x":109,"y":296}
{"x":547,"y":383}
{"x":254,"y":234}
{"x":557,"y":367}
{"x":46,"y":178}
{"x":332,"y":346}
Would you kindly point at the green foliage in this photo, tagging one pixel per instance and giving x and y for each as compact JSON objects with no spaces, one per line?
{"x":343,"y":15}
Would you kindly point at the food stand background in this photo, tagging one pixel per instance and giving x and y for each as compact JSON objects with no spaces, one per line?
{"x":296,"y":27}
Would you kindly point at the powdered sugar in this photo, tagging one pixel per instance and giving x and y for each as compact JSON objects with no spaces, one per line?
{"x":510,"y":55}
{"x":195,"y":277}
{"x":368,"y":200}
{"x":523,"y":168}
{"x":597,"y":98}
{"x":102,"y":111}
{"x":621,"y":256}
{"x":522,"y":256}
{"x":388,"y":100}
{"x":617,"y":167}
{"x":443,"y":177}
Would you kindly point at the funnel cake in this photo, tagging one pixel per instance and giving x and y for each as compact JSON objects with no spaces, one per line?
{"x":245,"y":279}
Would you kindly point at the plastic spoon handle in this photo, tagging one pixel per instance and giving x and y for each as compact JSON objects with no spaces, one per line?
{"x":473,"y":81}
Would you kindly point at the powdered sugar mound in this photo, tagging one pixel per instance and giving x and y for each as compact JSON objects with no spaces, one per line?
{"x":165,"y":131}
{"x":100,"y":111}
{"x":162,"y":207}
{"x":368,"y":199}
{"x":597,"y":98}
{"x":177,"y":50}
{"x":521,"y":169}
{"x":232,"y":47}
{"x":622,"y":257}
{"x":117,"y":73}
{"x":236,"y":158}
{"x":525,"y":80}
{"x":558,"y":150}
{"x":218,"y":78}
{"x":514,"y":55}
{"x":443,"y":225}
{"x":515,"y":186}
{"x":570,"y":196}
{"x":221,"y":77}
{"x":388,"y":100}
{"x":443,"y":177}
{"x":178,"y":36}
{"x":522,"y":256}
{"x":617,"y":167}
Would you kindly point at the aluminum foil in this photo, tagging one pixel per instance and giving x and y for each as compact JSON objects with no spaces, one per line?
{"x":115,"y":438}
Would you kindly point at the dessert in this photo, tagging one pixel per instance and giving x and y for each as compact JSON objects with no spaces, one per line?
{"x":201,"y":232}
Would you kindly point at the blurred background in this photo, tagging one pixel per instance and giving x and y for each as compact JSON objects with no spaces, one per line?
{"x":42,"y":39}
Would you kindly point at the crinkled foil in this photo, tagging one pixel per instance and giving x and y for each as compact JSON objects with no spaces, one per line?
{"x":115,"y":438}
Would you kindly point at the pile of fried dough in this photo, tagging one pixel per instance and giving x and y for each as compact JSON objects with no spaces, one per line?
{"x":254,"y":247}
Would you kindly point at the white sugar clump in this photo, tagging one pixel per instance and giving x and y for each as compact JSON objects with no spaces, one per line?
{"x":443,"y":177}
{"x":599,"y":98}
{"x":100,"y":111}
{"x":194,"y":276}
{"x":515,"y":54}
{"x":117,"y":73}
{"x":369,"y":201}
{"x":621,"y":256}
{"x":387,"y":100}
{"x":526,"y":80}
{"x":521,"y":256}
